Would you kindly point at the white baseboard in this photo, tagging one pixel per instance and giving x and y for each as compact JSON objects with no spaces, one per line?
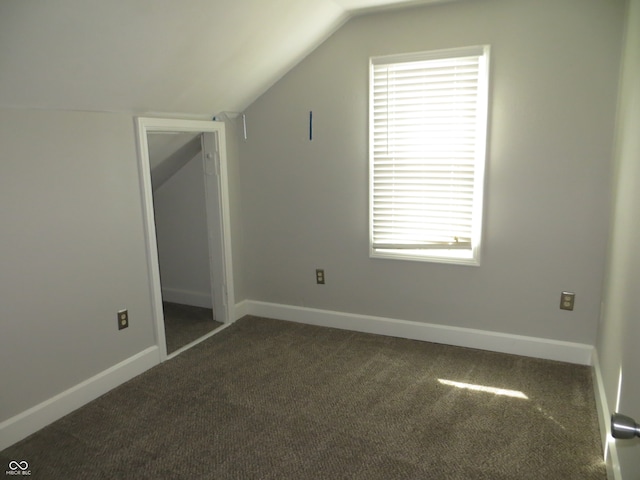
{"x":240,"y":310}
{"x":24,"y":424}
{"x":186,"y":297}
{"x":604,"y":418}
{"x":462,"y":337}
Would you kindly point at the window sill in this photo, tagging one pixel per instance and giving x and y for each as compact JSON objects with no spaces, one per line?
{"x":455,"y":257}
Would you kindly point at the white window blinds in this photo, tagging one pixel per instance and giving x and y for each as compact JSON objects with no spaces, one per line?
{"x":427,"y":142}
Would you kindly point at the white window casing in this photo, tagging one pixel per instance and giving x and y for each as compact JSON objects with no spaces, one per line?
{"x":428,"y":129}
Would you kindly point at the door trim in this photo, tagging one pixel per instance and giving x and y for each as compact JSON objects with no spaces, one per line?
{"x":145,"y":125}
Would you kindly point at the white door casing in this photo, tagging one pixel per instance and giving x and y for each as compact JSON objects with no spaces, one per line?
{"x":218,"y":217}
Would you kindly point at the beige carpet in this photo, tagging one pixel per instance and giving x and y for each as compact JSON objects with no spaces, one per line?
{"x":266,"y":399}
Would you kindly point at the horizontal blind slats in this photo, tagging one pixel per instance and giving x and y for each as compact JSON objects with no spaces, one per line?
{"x":423,"y":140}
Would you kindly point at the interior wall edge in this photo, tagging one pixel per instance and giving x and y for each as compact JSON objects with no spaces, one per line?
{"x":604,"y":416}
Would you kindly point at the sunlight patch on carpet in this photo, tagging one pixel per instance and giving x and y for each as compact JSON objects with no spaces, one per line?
{"x":482,"y":388}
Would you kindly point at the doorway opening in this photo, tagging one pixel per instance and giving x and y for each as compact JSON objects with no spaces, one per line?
{"x":185,"y":185}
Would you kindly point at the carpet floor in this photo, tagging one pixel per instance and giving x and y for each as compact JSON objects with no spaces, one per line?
{"x":267,"y":399}
{"x":184,"y":324}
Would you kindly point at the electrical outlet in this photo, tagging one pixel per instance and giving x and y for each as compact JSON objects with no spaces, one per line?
{"x":123,"y":319}
{"x":320,"y":276}
{"x":567,"y":299}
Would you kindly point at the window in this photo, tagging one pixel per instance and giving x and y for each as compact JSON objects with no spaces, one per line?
{"x":428,"y":115}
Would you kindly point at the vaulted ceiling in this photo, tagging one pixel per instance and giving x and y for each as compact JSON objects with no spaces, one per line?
{"x":195,"y":57}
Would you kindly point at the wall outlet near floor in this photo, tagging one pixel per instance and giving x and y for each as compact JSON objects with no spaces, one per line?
{"x":123,"y":319}
{"x":567,"y":299}
{"x":320,"y":276}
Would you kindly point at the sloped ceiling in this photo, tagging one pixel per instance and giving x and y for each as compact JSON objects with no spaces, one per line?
{"x":193,"y":57}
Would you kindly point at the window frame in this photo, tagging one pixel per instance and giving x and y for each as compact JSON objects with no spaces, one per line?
{"x":439,"y":254}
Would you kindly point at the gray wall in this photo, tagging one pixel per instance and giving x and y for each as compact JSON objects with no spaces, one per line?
{"x":620,"y":325}
{"x":181,"y":230}
{"x":554,"y":72}
{"x":72,"y":252}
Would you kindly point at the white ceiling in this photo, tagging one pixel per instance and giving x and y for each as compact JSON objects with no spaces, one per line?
{"x":197,"y":57}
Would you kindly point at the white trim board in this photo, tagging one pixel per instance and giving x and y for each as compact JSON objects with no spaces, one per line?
{"x":24,"y":424}
{"x":604,"y":418}
{"x":240,"y":310}
{"x":462,"y":337}
{"x":218,"y":216}
{"x":198,"y":340}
